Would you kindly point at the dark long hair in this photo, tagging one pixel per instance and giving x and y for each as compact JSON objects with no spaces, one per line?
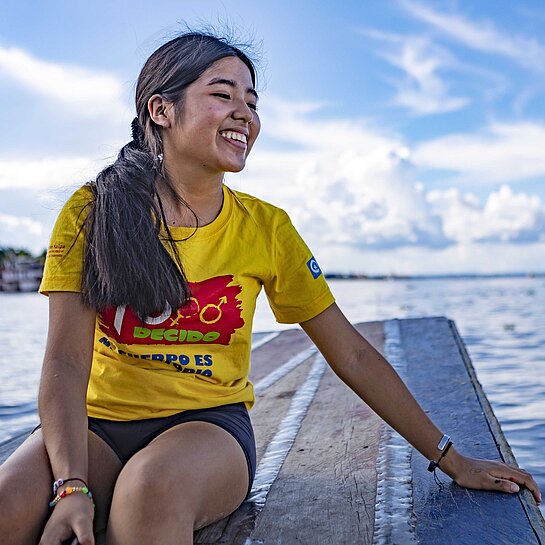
{"x":131,"y":257}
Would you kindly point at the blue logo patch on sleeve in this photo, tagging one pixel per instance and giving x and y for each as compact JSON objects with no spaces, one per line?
{"x":313,"y":267}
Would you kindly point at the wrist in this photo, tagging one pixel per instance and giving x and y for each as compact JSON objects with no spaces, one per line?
{"x":451,"y":463}
{"x":61,"y":484}
{"x":76,"y":491}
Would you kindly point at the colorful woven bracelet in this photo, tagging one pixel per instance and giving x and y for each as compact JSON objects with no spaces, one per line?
{"x":70,"y":490}
{"x":60,"y":482}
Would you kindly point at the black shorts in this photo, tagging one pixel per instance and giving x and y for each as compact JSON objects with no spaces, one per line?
{"x":128,"y":437}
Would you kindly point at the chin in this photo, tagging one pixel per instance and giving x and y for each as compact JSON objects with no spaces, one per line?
{"x":237,"y":167}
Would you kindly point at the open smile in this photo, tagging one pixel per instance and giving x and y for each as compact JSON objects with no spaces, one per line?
{"x":236,"y":139}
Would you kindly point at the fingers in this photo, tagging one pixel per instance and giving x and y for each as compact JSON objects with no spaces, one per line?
{"x":60,"y":535}
{"x":510,"y":479}
{"x":53,"y":536}
{"x":83,"y":529}
{"x":83,"y":538}
{"x":492,"y":475}
{"x":504,"y":485}
{"x":71,"y":523}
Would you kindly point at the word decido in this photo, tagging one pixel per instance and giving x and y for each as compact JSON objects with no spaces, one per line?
{"x":174,"y":335}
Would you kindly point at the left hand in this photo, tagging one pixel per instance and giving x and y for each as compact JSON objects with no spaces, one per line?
{"x":490,"y":475}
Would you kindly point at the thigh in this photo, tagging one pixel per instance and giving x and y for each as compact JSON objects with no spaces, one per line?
{"x":191,"y":475}
{"x":26,"y":480}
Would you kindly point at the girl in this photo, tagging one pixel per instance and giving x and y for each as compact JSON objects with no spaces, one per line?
{"x":152,"y":275}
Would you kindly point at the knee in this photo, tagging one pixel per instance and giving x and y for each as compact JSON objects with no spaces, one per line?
{"x":147,"y":503}
{"x":11,"y":501}
{"x":141,"y":480}
{"x":149,"y":483}
{"x":19,"y":502}
{"x":147,"y":488}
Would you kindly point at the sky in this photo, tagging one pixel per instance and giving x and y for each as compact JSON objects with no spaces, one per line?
{"x":402,"y":137}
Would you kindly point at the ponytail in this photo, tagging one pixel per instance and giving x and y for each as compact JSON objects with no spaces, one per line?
{"x":126,"y":262}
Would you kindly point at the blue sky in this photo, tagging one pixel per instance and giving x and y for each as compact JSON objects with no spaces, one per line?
{"x":402,"y":137}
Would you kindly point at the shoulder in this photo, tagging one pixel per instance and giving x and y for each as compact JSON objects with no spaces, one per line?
{"x":258,"y":209}
{"x":76,"y":209}
{"x":80,"y":199}
{"x":82,"y":196}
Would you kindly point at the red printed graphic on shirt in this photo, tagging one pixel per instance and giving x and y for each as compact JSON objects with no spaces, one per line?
{"x":211,"y":317}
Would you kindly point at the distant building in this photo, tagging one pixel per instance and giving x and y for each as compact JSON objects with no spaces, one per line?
{"x":20,"y":273}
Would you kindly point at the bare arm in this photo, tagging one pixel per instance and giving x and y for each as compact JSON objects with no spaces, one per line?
{"x":63,"y":384}
{"x":62,"y":408}
{"x":361,"y":367}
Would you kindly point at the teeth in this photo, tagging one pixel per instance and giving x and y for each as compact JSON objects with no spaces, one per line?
{"x":235,"y":136}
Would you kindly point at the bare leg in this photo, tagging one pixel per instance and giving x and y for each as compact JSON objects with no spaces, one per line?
{"x":25,"y":488}
{"x":188,"y":477}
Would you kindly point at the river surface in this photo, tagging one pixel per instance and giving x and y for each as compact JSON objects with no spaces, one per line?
{"x":501,"y":320}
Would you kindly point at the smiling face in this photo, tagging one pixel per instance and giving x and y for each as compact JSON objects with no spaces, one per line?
{"x":218,"y":124}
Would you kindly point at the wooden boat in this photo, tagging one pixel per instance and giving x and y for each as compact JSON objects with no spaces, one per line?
{"x":331,"y":472}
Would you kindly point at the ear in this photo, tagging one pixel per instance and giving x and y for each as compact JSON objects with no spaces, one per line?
{"x":161,"y":111}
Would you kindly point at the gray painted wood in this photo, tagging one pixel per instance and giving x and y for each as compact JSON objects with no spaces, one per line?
{"x":328,"y":481}
{"x":438,"y":377}
{"x":277,"y":351}
{"x":527,"y":501}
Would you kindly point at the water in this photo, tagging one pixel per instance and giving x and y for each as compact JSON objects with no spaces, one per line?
{"x":501,"y":320}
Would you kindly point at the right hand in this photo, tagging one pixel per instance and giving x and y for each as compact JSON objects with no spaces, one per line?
{"x":72,"y":516}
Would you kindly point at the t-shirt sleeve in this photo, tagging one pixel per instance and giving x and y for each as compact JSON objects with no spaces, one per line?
{"x":64,"y":260}
{"x":297,"y":290}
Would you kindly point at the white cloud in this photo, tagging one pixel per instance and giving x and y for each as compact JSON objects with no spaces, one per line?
{"x":500,"y":153}
{"x":48,"y":172}
{"x":422,"y":91}
{"x":21,"y":232}
{"x":483,"y":258}
{"x":86,"y":92}
{"x":481,"y":35}
{"x":348,"y":185}
{"x":343,"y":183}
{"x":505,"y":217}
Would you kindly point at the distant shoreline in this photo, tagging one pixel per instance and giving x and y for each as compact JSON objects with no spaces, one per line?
{"x":448,"y":276}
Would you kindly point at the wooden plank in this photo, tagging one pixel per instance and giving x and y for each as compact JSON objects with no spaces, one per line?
{"x":327,"y":484}
{"x":527,"y":500}
{"x":277,"y":351}
{"x":438,"y":378}
{"x":325,"y":492}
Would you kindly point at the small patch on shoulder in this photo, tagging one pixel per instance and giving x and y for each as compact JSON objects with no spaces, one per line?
{"x":314,"y":268}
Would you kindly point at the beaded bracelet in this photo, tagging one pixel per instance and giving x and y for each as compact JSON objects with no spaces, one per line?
{"x":60,"y":482}
{"x":70,"y":490}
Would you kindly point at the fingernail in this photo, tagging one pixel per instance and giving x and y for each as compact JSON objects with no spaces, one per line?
{"x":514,"y":488}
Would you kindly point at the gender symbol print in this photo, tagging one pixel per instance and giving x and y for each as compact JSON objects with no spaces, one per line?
{"x":212,"y":315}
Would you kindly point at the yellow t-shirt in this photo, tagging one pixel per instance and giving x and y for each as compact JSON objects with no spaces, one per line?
{"x":197,"y":356}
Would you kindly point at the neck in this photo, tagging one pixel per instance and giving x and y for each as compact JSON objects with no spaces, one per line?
{"x":203,"y":195}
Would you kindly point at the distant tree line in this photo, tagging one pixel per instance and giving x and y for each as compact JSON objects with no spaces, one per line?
{"x":8,"y":253}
